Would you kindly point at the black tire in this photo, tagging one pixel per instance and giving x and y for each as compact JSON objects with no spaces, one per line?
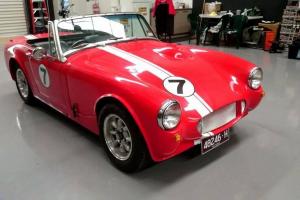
{"x":29,"y":98}
{"x":139,"y":157}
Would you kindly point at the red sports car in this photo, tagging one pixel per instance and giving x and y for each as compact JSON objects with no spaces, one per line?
{"x":146,"y":99}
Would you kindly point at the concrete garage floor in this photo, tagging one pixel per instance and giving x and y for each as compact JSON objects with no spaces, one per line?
{"x":45,"y":156}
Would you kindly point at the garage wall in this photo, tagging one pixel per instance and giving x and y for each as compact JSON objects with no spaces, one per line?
{"x":272,"y":9}
{"x":12,"y":18}
{"x":80,"y":7}
{"x":56,"y":7}
{"x":84,"y":7}
{"x":126,"y":5}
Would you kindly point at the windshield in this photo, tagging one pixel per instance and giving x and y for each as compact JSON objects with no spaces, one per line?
{"x":79,"y":33}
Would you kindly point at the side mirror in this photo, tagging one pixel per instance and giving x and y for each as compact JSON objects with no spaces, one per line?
{"x":39,"y":53}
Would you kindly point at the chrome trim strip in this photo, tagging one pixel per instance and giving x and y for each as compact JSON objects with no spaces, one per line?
{"x":50,"y":105}
{"x":98,"y":15}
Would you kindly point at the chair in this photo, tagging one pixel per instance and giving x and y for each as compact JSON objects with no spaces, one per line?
{"x":217,"y":30}
{"x":193,"y":19}
{"x":237,"y":25}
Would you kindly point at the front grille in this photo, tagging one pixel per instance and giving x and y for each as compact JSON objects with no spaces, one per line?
{"x":219,"y":118}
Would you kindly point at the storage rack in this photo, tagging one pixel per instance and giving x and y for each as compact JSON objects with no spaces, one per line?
{"x":290,"y":27}
{"x":39,"y":16}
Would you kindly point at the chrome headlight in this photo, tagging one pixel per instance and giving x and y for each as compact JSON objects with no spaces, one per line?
{"x":169,"y":115}
{"x":255,"y":78}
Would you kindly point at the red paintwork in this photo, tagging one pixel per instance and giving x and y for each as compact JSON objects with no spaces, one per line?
{"x":93,"y":74}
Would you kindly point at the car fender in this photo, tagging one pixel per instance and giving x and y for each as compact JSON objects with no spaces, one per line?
{"x":131,"y":111}
{"x":17,"y":53}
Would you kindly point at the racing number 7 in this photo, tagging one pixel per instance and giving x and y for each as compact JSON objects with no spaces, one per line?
{"x":180,"y":85}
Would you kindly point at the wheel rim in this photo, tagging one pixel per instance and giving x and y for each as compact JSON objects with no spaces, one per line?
{"x":117,"y":137}
{"x":22,"y":83}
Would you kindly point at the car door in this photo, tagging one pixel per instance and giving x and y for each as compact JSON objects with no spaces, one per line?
{"x":48,"y":75}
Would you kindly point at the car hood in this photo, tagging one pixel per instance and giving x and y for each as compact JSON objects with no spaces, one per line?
{"x":218,"y":78}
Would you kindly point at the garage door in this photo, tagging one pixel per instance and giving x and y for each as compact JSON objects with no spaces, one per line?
{"x":12,"y":18}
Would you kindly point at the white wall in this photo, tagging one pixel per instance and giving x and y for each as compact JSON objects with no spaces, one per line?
{"x":80,"y":7}
{"x":83,"y":7}
{"x":126,"y":5}
{"x":56,"y":7}
{"x":188,"y":3}
{"x":115,"y":5}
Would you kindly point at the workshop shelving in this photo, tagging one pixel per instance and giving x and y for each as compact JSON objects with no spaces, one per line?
{"x":290,"y":27}
{"x":39,"y":16}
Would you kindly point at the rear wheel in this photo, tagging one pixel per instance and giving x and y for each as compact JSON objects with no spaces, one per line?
{"x":23,"y":87}
{"x":122,"y":139}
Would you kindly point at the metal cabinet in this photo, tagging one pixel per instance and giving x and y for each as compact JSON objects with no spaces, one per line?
{"x":181,"y":22}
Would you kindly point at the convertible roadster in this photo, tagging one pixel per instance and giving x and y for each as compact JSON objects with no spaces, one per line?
{"x":146,"y":99}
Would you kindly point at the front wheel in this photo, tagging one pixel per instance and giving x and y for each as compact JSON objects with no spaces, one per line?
{"x":23,"y":87}
{"x":122,"y":139}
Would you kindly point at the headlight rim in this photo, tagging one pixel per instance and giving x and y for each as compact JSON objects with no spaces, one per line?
{"x":166,"y":104}
{"x":250,"y":78}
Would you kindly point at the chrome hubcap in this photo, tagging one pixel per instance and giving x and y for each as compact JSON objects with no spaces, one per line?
{"x":22,"y":83}
{"x":117,"y":137}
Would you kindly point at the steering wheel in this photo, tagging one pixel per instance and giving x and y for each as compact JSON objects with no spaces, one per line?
{"x":77,"y":43}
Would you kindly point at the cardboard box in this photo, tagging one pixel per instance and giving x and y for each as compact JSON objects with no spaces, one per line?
{"x":217,"y":7}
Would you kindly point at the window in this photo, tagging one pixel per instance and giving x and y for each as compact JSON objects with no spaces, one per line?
{"x":78,"y":33}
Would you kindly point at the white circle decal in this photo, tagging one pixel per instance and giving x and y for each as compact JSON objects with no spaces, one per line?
{"x":179,"y":86}
{"x":44,"y":76}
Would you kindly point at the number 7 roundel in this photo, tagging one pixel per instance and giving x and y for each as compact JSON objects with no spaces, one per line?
{"x":179,"y":86}
{"x":44,"y":76}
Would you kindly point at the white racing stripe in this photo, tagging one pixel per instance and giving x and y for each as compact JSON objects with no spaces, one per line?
{"x":30,"y":37}
{"x":203,"y":102}
{"x":195,"y":101}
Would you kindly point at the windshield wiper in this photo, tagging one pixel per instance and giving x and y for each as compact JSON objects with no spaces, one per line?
{"x":115,"y":38}
{"x":80,"y":45}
